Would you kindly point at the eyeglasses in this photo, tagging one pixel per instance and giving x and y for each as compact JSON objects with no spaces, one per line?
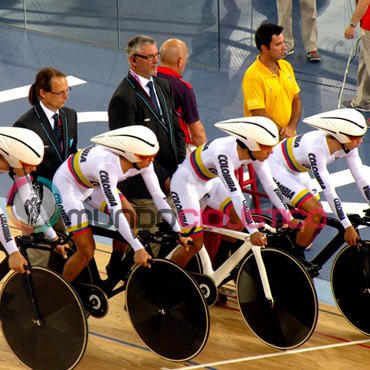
{"x":149,"y":58}
{"x":61,"y":92}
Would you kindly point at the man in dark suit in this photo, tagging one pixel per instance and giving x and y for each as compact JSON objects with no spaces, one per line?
{"x":47,"y":96}
{"x":143,"y":99}
{"x":132,"y":104}
{"x":57,"y":127}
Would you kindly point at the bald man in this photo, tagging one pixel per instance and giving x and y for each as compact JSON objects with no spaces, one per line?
{"x":173,"y":58}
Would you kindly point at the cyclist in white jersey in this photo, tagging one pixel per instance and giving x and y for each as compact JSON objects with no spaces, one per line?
{"x":341,"y":132}
{"x":91,"y":175}
{"x":207,"y":175}
{"x":21,"y":150}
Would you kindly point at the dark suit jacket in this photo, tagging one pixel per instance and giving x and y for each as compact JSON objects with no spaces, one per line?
{"x":35,"y":119}
{"x":131,"y":105}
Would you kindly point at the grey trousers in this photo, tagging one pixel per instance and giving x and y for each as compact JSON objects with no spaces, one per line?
{"x":308,"y":23}
{"x":362,"y":97}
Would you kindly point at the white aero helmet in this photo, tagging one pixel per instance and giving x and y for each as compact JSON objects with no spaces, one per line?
{"x":342,"y":124}
{"x":252,"y":131}
{"x":21,"y":146}
{"x":130,"y":142}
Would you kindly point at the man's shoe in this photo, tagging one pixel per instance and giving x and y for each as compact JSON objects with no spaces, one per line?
{"x":351,"y":104}
{"x":314,"y":56}
{"x":288,"y":52}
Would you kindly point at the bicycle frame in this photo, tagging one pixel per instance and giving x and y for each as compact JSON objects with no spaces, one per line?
{"x":224,"y":270}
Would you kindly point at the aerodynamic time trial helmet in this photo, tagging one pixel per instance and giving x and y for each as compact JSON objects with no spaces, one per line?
{"x":132,"y":142}
{"x":342,"y":124}
{"x":20,"y":146}
{"x":251,"y":131}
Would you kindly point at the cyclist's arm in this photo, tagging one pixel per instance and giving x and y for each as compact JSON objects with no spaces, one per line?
{"x":108,"y":185}
{"x":6,"y":238}
{"x":227,"y":177}
{"x":33,"y":206}
{"x":264,"y":174}
{"x":355,"y":165}
{"x":159,"y":198}
{"x":318,"y":165}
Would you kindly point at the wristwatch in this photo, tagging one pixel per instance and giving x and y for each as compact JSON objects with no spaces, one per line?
{"x":353,"y":25}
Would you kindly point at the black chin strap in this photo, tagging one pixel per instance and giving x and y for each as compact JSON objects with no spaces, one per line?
{"x":135,"y":165}
{"x":251,"y":155}
{"x":345,"y":149}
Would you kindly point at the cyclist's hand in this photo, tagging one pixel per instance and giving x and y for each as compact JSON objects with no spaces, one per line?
{"x":351,"y":236}
{"x":61,"y":249}
{"x":142,"y":258}
{"x":17,"y":262}
{"x":258,"y":238}
{"x":185,"y":241}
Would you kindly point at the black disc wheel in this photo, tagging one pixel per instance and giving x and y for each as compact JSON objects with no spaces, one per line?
{"x":350,"y":283}
{"x":168,"y":310}
{"x":291,"y":319}
{"x":58,"y":339}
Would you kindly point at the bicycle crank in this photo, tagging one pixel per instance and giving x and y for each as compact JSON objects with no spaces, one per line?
{"x":207,"y":287}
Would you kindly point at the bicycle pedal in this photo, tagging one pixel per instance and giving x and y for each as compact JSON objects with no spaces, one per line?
{"x":207,"y":287}
{"x":93,"y":298}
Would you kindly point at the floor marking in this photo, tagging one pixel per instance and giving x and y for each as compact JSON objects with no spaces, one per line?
{"x":261,"y":357}
{"x":22,"y":92}
{"x":92,"y":117}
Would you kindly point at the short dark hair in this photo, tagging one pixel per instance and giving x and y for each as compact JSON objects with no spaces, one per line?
{"x":265,"y":32}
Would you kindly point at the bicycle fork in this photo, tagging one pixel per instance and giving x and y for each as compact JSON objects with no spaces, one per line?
{"x":263,"y":274}
{"x":36,"y":317}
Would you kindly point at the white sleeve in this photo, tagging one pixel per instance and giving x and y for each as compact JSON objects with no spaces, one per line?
{"x":356,"y":167}
{"x":108,"y":184}
{"x":226,"y":171}
{"x":264,"y":174}
{"x":159,"y":198}
{"x":318,"y":161}
{"x":5,"y":235}
{"x":37,"y":216}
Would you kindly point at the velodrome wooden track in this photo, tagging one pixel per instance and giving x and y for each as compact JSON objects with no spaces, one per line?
{"x":114,"y":345}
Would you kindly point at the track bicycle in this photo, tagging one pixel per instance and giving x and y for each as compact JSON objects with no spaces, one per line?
{"x":42,"y":317}
{"x":275,"y":293}
{"x":350,"y":272}
{"x":165,"y":304}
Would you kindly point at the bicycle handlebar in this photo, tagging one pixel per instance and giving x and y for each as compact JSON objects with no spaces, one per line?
{"x":25,"y":241}
{"x":164,"y":234}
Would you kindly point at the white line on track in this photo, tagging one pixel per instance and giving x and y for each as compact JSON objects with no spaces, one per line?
{"x":22,"y":92}
{"x":261,"y":357}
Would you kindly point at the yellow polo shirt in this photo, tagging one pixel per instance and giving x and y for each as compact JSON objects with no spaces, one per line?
{"x":263,"y":89}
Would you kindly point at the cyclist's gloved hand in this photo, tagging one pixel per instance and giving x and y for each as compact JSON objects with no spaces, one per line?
{"x":258,"y":238}
{"x":142,"y":257}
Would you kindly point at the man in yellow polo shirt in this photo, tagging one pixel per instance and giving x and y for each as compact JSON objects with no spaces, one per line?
{"x":269,"y":85}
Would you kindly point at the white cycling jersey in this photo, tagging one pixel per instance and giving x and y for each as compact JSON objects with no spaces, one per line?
{"x":294,"y":157}
{"x":208,"y":174}
{"x":91,"y":176}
